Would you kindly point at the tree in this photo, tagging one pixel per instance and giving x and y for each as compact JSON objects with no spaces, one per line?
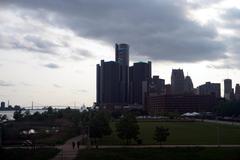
{"x":127,"y":127}
{"x":161,"y":134}
{"x":18,"y":115}
{"x":99,"y":126}
{"x":3,"y":117}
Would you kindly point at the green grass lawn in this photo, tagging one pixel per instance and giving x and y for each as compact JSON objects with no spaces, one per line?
{"x":161,"y":154}
{"x":183,"y":133}
{"x":28,"y":154}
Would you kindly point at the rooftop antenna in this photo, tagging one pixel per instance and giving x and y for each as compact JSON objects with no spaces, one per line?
{"x":32,"y":105}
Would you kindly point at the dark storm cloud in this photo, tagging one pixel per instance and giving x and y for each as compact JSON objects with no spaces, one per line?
{"x":52,"y":66}
{"x":157,"y":29}
{"x":5,"y":84}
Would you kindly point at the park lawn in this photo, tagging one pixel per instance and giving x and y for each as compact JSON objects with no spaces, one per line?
{"x":161,"y":154}
{"x":183,"y":133}
{"x":28,"y":154}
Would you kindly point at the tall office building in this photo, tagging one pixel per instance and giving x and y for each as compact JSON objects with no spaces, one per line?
{"x":140,"y":75}
{"x":157,"y":86}
{"x":177,"y":81}
{"x":188,"y":85}
{"x":210,"y":89}
{"x":122,"y":58}
{"x":227,"y":89}
{"x":237,"y":92}
{"x":113,"y":79}
{"x":2,"y":105}
{"x":108,"y":79}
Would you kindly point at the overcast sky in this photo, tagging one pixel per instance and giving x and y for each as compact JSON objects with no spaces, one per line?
{"x":49,"y":48}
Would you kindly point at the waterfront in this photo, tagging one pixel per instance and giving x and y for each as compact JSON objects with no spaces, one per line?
{"x":9,"y":113}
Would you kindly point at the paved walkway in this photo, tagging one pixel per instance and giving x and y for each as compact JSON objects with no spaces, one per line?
{"x":67,"y":152}
{"x":220,"y":122}
{"x":167,"y":146}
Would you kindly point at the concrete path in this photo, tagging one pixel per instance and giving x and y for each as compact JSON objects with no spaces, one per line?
{"x":219,"y":122}
{"x":167,"y":146}
{"x":67,"y":152}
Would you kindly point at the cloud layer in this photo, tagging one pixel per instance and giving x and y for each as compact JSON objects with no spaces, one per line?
{"x":157,"y":29}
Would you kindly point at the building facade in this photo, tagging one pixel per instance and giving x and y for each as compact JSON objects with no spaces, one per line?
{"x":228,"y":89}
{"x":108,"y":80}
{"x":177,"y":82}
{"x":157,"y":86}
{"x":237,"y":92}
{"x":210,"y":89}
{"x":140,"y":75}
{"x":188,"y":85}
{"x":156,"y":105}
{"x":122,"y":58}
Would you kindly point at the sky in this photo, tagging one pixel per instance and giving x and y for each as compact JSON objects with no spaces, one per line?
{"x":49,"y":49}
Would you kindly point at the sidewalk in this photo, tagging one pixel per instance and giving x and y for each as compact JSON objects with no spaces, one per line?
{"x":67,"y":152}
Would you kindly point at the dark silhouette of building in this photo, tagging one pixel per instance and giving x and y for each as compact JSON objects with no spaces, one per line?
{"x":188,"y":85}
{"x":2,"y":105}
{"x":140,"y":75}
{"x":237,"y":92}
{"x":228,"y":89}
{"x":122,"y":57}
{"x":157,"y":86}
{"x":108,"y":83}
{"x":179,"y":103}
{"x":113,"y":79}
{"x":168,"y":89}
{"x":177,"y":82}
{"x":210,"y":89}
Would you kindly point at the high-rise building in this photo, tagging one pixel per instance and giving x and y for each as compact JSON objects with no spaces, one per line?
{"x":140,"y":75}
{"x":122,"y":54}
{"x":188,"y":85}
{"x":157,"y":86}
{"x":113,"y":79}
{"x":168,"y":89}
{"x":108,"y":79}
{"x":177,"y":81}
{"x":2,"y":105}
{"x":122,"y":58}
{"x":227,"y":89}
{"x":237,"y":92}
{"x":210,"y":89}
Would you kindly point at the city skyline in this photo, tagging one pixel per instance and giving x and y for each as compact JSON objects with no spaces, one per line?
{"x":49,"y":55}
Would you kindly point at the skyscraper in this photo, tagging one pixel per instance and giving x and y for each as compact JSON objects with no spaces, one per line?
{"x":122,"y":54}
{"x":2,"y":105}
{"x":210,"y":89}
{"x":177,"y":81}
{"x":237,"y":92}
{"x":122,"y":58}
{"x":157,"y":86}
{"x":108,"y":79}
{"x":227,"y":89}
{"x":188,"y":85}
{"x":140,"y":75}
{"x":113,"y":79}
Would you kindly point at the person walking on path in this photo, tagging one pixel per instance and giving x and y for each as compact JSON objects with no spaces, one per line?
{"x":78,"y":144}
{"x":73,"y":144}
